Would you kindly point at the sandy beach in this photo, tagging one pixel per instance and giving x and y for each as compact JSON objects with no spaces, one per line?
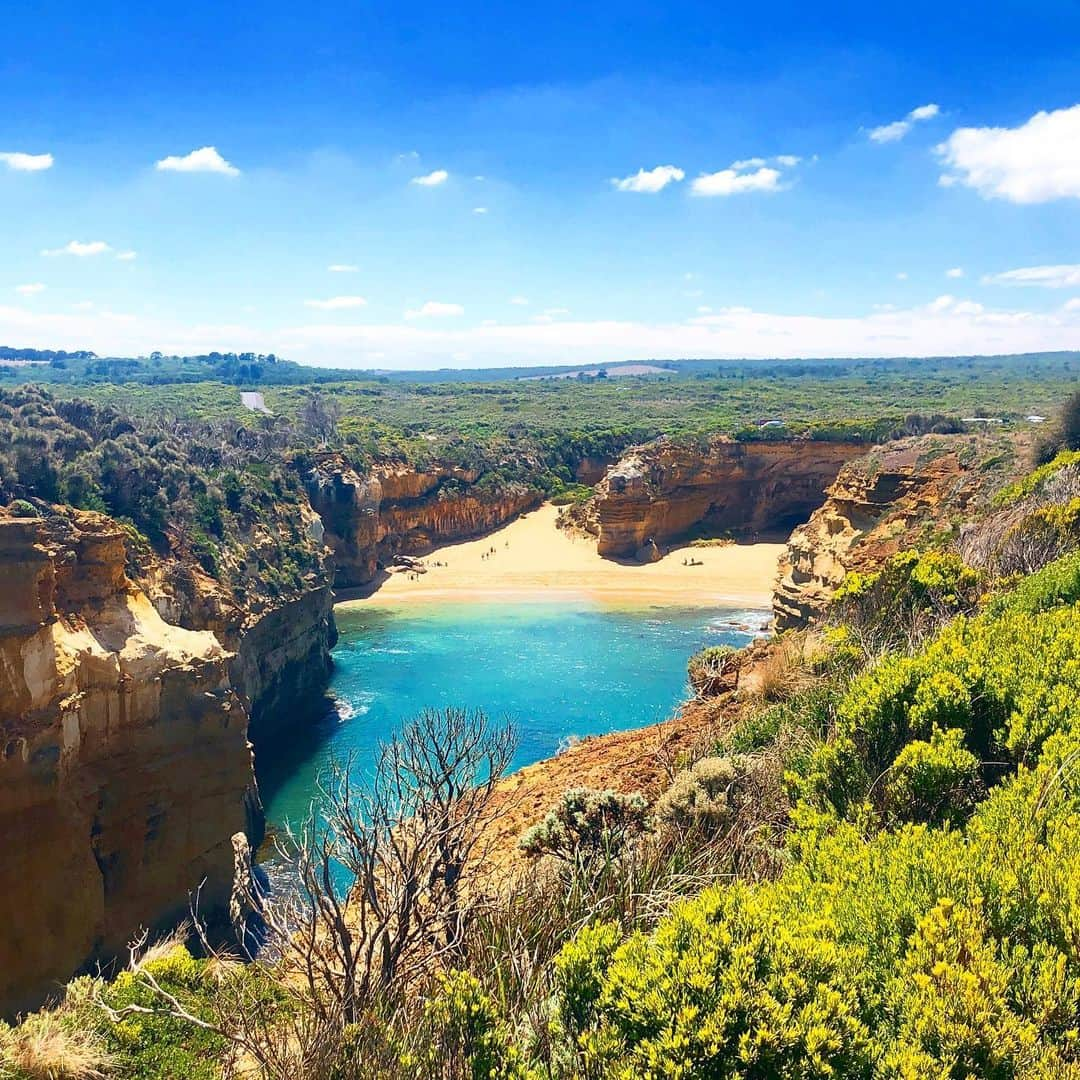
{"x":531,"y":558}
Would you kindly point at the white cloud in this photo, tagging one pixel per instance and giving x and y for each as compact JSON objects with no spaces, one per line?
{"x":127,"y":256}
{"x":789,"y":161}
{"x":206,"y":159}
{"x":432,"y":179}
{"x":649,"y":181}
{"x":521,"y":301}
{"x":20,"y":162}
{"x":890,"y":132}
{"x":343,"y":268}
{"x":895,"y":131}
{"x":955,"y":272}
{"x":748,"y":163}
{"x":902,"y":276}
{"x":732,"y":182}
{"x":1033,"y":163}
{"x":1072,"y":305}
{"x":480,"y":210}
{"x":30,"y":290}
{"x":409,"y":155}
{"x":732,"y":332}
{"x":434,"y":309}
{"x":942,"y":303}
{"x":704,"y":309}
{"x":924,"y":112}
{"x":337,"y":303}
{"x":1064,"y":276}
{"x":79,"y":249}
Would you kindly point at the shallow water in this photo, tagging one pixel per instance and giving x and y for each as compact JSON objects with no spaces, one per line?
{"x":558,"y":671}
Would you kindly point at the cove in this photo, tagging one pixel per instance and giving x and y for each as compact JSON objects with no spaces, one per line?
{"x":558,"y":670}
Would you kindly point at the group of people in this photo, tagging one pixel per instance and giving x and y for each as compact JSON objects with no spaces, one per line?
{"x":692,"y":562}
{"x":490,"y":553}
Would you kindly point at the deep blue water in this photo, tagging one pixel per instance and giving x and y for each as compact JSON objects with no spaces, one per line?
{"x":557,"y":671}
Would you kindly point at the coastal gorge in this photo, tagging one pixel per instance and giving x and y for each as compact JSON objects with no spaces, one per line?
{"x":135,"y":677}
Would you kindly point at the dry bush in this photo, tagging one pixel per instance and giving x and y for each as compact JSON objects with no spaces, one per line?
{"x":1016,"y":539}
{"x":788,"y":668}
{"x":339,"y":965}
{"x":48,"y":1046}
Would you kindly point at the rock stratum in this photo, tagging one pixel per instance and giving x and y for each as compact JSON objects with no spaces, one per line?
{"x":660,"y":491}
{"x":394,"y":510}
{"x":880,"y":504}
{"x":124,"y":761}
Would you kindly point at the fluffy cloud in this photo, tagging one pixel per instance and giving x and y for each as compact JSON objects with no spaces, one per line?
{"x":958,"y":329}
{"x":79,"y":249}
{"x":433,"y":309}
{"x":30,"y":290}
{"x":649,"y":181}
{"x":337,"y":303}
{"x":733,"y":182}
{"x":343,"y":268}
{"x":480,"y":209}
{"x":127,"y":256}
{"x":432,"y":179}
{"x":1033,"y":163}
{"x":1064,"y":276}
{"x":895,"y":131}
{"x":26,"y":162}
{"x":955,"y":272}
{"x":206,"y":159}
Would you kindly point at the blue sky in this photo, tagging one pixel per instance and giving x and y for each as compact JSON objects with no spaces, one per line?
{"x":603,"y":181}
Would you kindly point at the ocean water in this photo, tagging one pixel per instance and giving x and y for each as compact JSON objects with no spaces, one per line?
{"x":558,"y":671}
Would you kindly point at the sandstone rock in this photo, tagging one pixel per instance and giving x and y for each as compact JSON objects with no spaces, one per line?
{"x":663,"y":489}
{"x":395,"y":510}
{"x":880,"y":504}
{"x":124,"y":761}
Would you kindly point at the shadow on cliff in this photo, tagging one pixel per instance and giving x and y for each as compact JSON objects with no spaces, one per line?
{"x":279,"y":756}
{"x":361,"y":592}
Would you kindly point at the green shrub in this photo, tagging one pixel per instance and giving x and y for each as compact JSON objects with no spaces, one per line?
{"x":1034,"y":480}
{"x":935,"y":781}
{"x":465,"y":1038}
{"x":1052,"y":586}
{"x":726,"y":987}
{"x":579,"y":972}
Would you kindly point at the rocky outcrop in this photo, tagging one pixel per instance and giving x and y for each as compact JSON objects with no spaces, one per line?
{"x":125,"y":768}
{"x":880,"y":504}
{"x":662,"y":490}
{"x":397,"y":510}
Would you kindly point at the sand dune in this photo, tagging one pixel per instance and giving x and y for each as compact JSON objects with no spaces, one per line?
{"x":531,"y":558}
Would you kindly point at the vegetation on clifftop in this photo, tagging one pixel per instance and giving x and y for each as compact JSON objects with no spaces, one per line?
{"x":865,"y":870}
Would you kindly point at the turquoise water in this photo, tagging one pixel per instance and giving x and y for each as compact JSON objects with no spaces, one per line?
{"x":558,"y":672}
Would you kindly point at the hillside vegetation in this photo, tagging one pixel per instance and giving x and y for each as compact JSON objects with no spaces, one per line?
{"x":867,"y":870}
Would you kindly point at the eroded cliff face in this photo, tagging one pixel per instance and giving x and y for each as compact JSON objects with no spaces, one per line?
{"x":396,"y":510}
{"x":660,"y":491}
{"x":124,"y":762}
{"x":880,"y":504}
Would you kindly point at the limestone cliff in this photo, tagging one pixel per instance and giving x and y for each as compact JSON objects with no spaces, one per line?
{"x":662,"y":490}
{"x":124,"y":762}
{"x":880,"y":504}
{"x":398,"y":510}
